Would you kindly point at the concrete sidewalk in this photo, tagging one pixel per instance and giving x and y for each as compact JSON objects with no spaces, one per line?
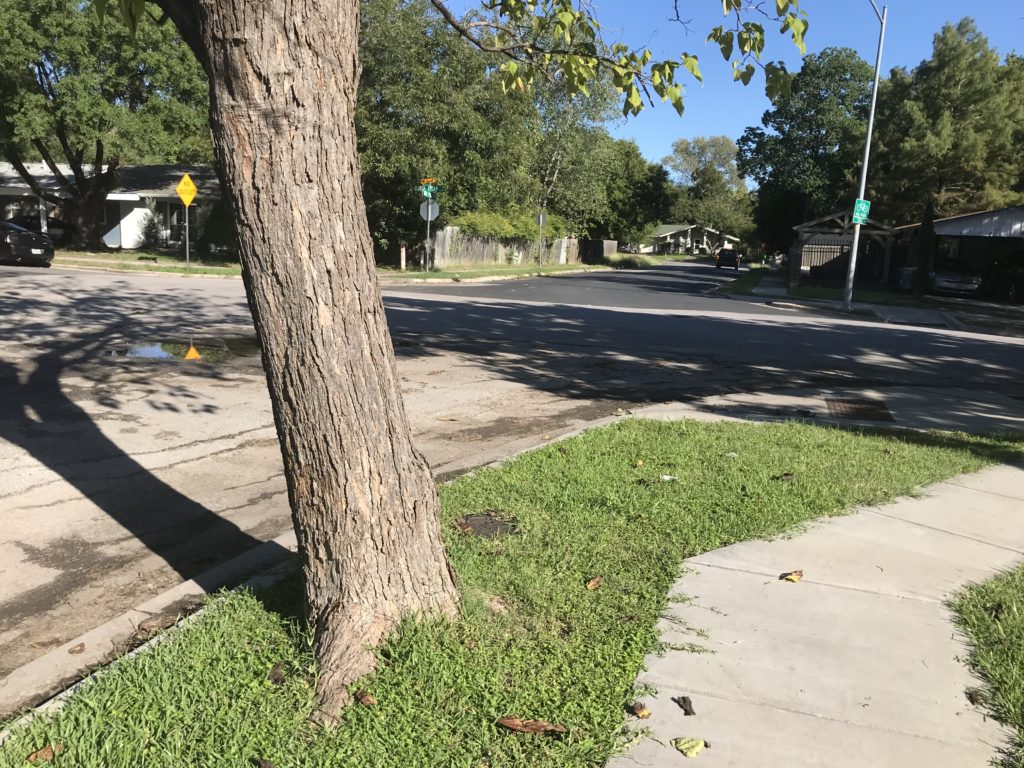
{"x":857,"y":664}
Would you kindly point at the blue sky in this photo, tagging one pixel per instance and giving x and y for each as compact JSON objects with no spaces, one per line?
{"x":720,"y":106}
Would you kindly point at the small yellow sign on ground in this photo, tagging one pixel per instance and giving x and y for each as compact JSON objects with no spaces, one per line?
{"x":186,"y":190}
{"x":193,"y":353}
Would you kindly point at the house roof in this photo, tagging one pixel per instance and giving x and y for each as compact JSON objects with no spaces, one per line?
{"x":999,"y":222}
{"x":134,"y":181}
{"x":840,"y":221}
{"x":670,"y":229}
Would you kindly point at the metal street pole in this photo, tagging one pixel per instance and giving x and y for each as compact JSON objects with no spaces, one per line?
{"x":188,"y":263}
{"x":429,"y":201}
{"x":852,"y":268}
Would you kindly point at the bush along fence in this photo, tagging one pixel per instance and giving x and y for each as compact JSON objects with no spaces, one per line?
{"x":451,"y":247}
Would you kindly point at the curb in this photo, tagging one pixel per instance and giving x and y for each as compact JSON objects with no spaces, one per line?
{"x":44,"y":683}
{"x":50,"y":674}
{"x":388,"y":280}
{"x":105,"y":270}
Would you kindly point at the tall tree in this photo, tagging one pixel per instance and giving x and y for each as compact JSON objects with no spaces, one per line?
{"x":950,"y":131}
{"x":427,"y":107}
{"x":640,"y":194}
{"x":714,"y":194}
{"x":805,"y":156}
{"x":283,"y":87}
{"x":704,"y":157}
{"x":94,"y":97}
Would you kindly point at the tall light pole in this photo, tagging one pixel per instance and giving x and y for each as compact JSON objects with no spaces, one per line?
{"x":852,"y":268}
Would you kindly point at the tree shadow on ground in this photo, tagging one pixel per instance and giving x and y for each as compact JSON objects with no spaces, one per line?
{"x":41,"y":414}
{"x":645,"y":357}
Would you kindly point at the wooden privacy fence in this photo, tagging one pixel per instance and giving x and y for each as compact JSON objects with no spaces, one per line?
{"x":451,"y":247}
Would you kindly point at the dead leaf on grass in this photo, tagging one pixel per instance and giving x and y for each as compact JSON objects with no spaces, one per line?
{"x":276,"y":674}
{"x":684,"y":703}
{"x":785,"y":476}
{"x":259,"y":762}
{"x":595,"y":583}
{"x":464,"y":527}
{"x":689,"y":747}
{"x":530,"y":726}
{"x":640,"y":710}
{"x":669,"y":478}
{"x":793,"y":576}
{"x":77,"y":649}
{"x":366,"y":698}
{"x":46,"y":754}
{"x":497,"y":605}
{"x":639,"y":463}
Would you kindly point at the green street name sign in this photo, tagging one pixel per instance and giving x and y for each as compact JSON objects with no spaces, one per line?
{"x":860,"y":211}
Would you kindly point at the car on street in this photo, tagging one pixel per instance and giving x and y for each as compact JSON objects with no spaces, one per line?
{"x":728,"y":257}
{"x":20,"y":246}
{"x":59,"y":231}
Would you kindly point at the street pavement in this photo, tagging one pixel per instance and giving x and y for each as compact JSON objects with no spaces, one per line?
{"x":122,"y":477}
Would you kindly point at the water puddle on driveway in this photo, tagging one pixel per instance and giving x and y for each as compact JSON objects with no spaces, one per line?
{"x":191,"y":350}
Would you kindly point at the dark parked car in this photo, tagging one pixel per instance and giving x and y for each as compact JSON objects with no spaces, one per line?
{"x":19,"y":246}
{"x":728,"y":257}
{"x":61,"y":232}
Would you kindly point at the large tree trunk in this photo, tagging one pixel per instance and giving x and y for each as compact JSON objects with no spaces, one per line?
{"x":283,"y":91}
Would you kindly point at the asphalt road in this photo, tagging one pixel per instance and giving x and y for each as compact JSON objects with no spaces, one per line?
{"x":124,"y":476}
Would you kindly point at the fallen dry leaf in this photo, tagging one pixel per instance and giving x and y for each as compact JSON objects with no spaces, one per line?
{"x":784,"y":476}
{"x":689,"y":747}
{"x":684,"y":703}
{"x":639,"y":463}
{"x":595,"y":583}
{"x":497,"y":605}
{"x":640,"y":710}
{"x":530,"y":726}
{"x":80,"y":648}
{"x":793,"y":576}
{"x":276,"y":673}
{"x":259,"y":762}
{"x":46,"y":754}
{"x":366,"y":698}
{"x":464,"y":527}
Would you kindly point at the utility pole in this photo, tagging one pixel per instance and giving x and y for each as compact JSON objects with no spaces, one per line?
{"x":852,"y":267}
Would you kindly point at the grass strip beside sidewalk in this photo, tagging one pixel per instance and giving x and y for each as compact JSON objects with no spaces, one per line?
{"x":626,"y":503}
{"x":991,"y":615}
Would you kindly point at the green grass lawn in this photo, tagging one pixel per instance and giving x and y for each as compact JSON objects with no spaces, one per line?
{"x":745,"y":284}
{"x":992,"y":617}
{"x":866,"y":297}
{"x":532,"y":642}
{"x":475,"y":270}
{"x":143,"y":261}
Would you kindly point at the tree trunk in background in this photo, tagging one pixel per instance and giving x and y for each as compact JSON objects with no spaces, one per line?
{"x":283,"y":90}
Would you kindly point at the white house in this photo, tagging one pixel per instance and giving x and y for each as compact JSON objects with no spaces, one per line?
{"x":140,"y":188}
{"x":688,"y":238}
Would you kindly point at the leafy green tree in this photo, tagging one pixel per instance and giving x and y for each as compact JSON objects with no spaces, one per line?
{"x":950,"y":130}
{"x":703,"y":158}
{"x":807,"y":151}
{"x":283,"y":83}
{"x":94,"y":97}
{"x":713,"y":193}
{"x":640,"y":194}
{"x":427,"y":108}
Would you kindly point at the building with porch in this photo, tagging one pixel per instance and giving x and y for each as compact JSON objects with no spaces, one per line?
{"x":141,"y":189}
{"x":688,"y":238}
{"x":821,"y":251}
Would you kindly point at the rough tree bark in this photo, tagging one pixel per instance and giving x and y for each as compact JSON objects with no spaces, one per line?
{"x":283,"y":81}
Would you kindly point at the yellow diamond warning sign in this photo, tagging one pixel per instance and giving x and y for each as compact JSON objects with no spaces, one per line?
{"x":186,"y":190}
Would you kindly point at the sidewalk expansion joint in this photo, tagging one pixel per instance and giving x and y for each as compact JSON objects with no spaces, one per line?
{"x":772,"y":576}
{"x":827,"y":718}
{"x":963,"y":536}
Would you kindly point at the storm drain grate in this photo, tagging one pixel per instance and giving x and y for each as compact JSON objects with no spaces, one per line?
{"x":857,"y":409}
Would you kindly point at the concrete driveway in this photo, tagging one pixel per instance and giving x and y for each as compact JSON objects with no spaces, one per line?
{"x":124,"y":476}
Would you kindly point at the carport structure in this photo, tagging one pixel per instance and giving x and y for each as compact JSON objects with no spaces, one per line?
{"x":822,"y":249}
